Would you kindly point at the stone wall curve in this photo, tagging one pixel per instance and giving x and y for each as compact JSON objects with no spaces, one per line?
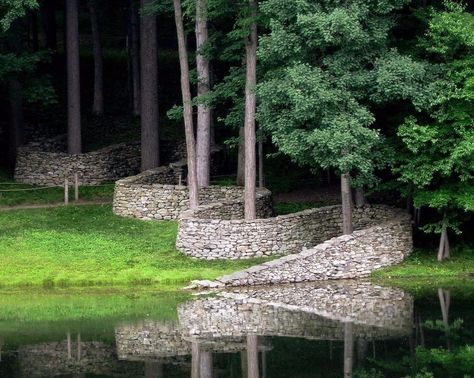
{"x":204,"y":233}
{"x":156,"y":194}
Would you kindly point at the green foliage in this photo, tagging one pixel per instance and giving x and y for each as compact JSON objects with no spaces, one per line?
{"x":11,"y":10}
{"x":327,"y":65}
{"x":438,"y":162}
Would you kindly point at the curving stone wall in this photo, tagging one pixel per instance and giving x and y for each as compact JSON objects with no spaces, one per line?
{"x":207,"y":232}
{"x":38,"y":166}
{"x":45,"y":162}
{"x":156,"y":194}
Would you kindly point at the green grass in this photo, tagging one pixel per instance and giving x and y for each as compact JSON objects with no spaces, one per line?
{"x":422,"y":265}
{"x":283,"y":208}
{"x":89,"y":246}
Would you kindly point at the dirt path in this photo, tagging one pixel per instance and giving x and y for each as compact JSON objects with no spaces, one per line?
{"x":53,"y":205}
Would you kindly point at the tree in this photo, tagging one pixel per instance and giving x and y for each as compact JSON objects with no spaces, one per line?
{"x":203,"y":142}
{"x":73,"y":78}
{"x":438,"y":162}
{"x":149,"y":88}
{"x":134,"y":56}
{"x":187,"y":107}
{"x":250,"y":109}
{"x":98,"y":104}
{"x":321,"y":84}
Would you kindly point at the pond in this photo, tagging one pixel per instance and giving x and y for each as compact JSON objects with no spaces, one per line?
{"x":335,"y":329}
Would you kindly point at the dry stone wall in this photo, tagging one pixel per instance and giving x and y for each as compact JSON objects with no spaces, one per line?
{"x":156,"y":194}
{"x":38,"y":167}
{"x":46,"y":162}
{"x":208,"y":233}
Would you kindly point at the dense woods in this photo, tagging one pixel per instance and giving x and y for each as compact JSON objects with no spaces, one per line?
{"x":377,"y":93}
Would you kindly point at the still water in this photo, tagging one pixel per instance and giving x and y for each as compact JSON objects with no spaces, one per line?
{"x":338,"y":329}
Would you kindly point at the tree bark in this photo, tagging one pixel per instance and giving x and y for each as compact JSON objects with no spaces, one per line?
{"x":261,"y":177}
{"x":149,"y":90}
{"x":16,"y":130}
{"x":98,"y":104}
{"x":73,"y":78}
{"x":135,"y":56}
{"x":250,"y":109}
{"x":206,"y":365}
{"x":252,"y":356}
{"x":240,"y":180}
{"x":346,"y":195}
{"x":348,"y":350}
{"x":48,"y":19}
{"x":195,"y":357}
{"x":33,"y":32}
{"x":187,"y":107}
{"x":203,"y":142}
{"x":443,"y":250}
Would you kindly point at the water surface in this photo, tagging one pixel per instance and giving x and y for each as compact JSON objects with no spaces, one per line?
{"x":337,"y":329}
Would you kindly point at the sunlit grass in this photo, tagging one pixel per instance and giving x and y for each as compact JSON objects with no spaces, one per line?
{"x":89,"y":246}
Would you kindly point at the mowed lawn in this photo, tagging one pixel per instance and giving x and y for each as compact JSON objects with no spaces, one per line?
{"x":90,"y":246}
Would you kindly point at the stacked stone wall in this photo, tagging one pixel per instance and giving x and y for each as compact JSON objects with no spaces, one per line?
{"x":209,"y":233}
{"x":156,"y":194}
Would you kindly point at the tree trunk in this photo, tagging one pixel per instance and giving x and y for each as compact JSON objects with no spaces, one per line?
{"x":250,"y":109}
{"x":203,"y":141}
{"x":206,"y":365}
{"x":16,"y":131}
{"x":443,"y":250}
{"x":187,"y":107}
{"x":360,"y":197}
{"x":98,"y":104}
{"x":252,"y":356}
{"x":33,"y":32}
{"x":48,"y":19}
{"x":348,"y":350}
{"x":195,"y":357}
{"x":240,"y":181}
{"x":261,"y":177}
{"x":73,"y":78}
{"x":149,"y":90}
{"x":135,"y":56}
{"x":346,"y":195}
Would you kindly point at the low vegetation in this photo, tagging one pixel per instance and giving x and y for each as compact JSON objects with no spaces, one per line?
{"x":89,"y":246}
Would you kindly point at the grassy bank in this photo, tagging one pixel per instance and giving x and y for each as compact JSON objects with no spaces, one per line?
{"x":422,"y":265}
{"x":89,"y":246}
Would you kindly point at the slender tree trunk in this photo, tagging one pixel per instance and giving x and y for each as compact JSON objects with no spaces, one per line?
{"x":16,"y":131}
{"x":443,"y":250}
{"x":187,"y":107}
{"x":135,"y":56}
{"x":203,"y":142}
{"x":240,"y":181}
{"x":98,"y":104}
{"x":348,"y":350}
{"x":149,"y":90}
{"x":48,"y":19}
{"x":346,"y":195}
{"x":73,"y":78}
{"x":250,"y":110}
{"x":252,"y":356}
{"x":206,"y":365}
{"x":261,"y":177}
{"x":195,"y":359}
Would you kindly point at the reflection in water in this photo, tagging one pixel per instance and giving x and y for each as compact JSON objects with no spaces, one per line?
{"x":318,"y":329}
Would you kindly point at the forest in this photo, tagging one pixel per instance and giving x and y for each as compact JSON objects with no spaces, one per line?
{"x":373,"y":97}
